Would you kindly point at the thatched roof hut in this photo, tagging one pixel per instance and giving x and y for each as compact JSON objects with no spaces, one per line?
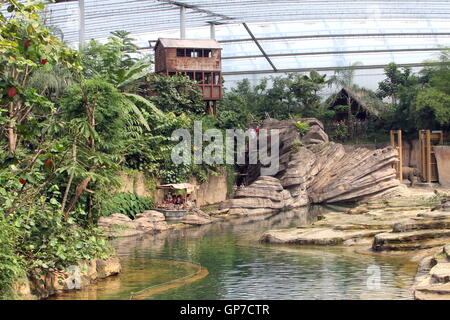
{"x":363,"y":103}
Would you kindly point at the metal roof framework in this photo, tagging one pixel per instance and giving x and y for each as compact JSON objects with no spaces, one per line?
{"x":254,"y":35}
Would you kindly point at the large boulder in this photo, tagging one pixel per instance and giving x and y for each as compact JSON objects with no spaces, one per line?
{"x":119,"y":225}
{"x":193,"y":219}
{"x":433,"y":277}
{"x":108,"y":267}
{"x":314,"y":170}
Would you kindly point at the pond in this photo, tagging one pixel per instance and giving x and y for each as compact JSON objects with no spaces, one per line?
{"x":239,"y":267}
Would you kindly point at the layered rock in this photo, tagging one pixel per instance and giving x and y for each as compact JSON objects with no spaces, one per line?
{"x":433,"y":278}
{"x":426,"y":230}
{"x":119,"y":225}
{"x":314,"y":170}
{"x":197,"y":218}
{"x":265,"y":195}
{"x":391,"y":225}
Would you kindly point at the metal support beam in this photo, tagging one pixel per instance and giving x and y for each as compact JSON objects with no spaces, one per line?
{"x":182,"y":22}
{"x":259,"y":46}
{"x":342,"y":35}
{"x":81,"y":24}
{"x":212,"y":30}
{"x":319,"y":53}
{"x":361,"y":67}
{"x":197,"y":9}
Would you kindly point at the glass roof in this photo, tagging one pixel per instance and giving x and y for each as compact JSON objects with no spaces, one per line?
{"x":295,"y":35}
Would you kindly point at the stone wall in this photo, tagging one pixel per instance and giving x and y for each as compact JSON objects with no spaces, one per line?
{"x":211,"y":192}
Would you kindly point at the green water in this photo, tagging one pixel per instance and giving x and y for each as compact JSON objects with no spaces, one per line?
{"x":241,"y":268}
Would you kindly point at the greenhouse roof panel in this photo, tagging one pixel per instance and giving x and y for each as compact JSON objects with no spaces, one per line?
{"x":143,"y":16}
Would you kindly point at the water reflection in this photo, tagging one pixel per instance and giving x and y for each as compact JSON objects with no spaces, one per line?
{"x":242,"y":268}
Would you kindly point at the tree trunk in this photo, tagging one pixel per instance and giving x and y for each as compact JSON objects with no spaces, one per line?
{"x":80,"y":189}
{"x":12,"y":134}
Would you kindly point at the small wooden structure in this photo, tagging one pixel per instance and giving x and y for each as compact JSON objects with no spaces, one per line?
{"x":428,"y":163}
{"x":200,"y":60}
{"x":361,"y":102}
{"x":396,"y":142}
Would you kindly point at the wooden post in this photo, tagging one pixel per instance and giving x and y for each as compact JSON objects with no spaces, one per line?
{"x":428,"y":148}
{"x":397,"y":143}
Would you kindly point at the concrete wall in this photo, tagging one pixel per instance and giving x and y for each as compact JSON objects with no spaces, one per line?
{"x":411,"y":153}
{"x":211,"y":192}
{"x":443,"y":162}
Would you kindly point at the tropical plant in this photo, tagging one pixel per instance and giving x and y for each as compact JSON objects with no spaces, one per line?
{"x":177,"y":94}
{"x":129,"y":204}
{"x":25,"y":47}
{"x":302,"y":127}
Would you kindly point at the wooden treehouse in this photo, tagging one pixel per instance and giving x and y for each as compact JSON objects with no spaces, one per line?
{"x":200,"y":60}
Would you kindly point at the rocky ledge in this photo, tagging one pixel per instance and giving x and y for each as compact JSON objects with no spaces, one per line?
{"x":404,"y":224}
{"x":41,"y":285}
{"x":314,"y":170}
{"x":197,"y":218}
{"x":433,"y":278}
{"x":265,"y":195}
{"x":119,"y":225}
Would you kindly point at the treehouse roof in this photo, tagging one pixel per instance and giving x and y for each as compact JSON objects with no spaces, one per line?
{"x":188,"y":43}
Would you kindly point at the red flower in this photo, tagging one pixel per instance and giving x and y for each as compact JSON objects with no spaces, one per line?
{"x":48,"y":163}
{"x":27,"y":43}
{"x":44,"y":61}
{"x":12,"y":92}
{"x":22,"y":181}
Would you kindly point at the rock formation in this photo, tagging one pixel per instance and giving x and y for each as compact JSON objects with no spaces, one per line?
{"x":314,"y":170}
{"x":41,"y":285}
{"x":197,"y":218}
{"x":265,"y":195}
{"x":119,"y":225}
{"x":390,"y":225}
{"x":433,"y":278}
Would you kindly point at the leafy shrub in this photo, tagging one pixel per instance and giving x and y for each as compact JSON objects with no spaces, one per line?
{"x":340,"y":132}
{"x":11,"y":265}
{"x":126,"y":203}
{"x":302,"y":127}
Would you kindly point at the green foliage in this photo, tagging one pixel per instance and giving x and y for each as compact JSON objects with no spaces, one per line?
{"x":419,"y":101}
{"x":11,"y":265}
{"x":340,"y":132}
{"x":296,"y":94}
{"x":432,"y":108}
{"x":126,"y":203}
{"x":177,"y":94}
{"x":302,"y":127}
{"x":35,"y":236}
{"x":109,"y":112}
{"x":110,"y":61}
